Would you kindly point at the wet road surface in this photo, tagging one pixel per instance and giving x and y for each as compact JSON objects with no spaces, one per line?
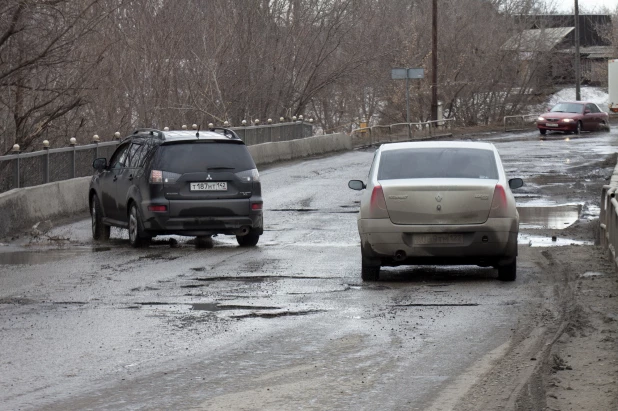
{"x":288,"y":324}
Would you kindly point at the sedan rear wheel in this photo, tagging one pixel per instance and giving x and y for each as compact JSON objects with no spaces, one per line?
{"x":370,"y":268}
{"x":508,"y":272}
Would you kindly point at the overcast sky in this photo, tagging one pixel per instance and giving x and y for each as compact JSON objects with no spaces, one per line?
{"x":566,"y":6}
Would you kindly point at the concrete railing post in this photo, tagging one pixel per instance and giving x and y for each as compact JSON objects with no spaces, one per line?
{"x":95,"y":140}
{"x":46,"y":162}
{"x":72,"y":142}
{"x":16,"y":179}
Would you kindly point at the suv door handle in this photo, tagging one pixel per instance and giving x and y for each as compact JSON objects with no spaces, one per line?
{"x":115,"y":178}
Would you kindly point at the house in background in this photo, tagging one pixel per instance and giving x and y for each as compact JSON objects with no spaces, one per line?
{"x":546,"y":48}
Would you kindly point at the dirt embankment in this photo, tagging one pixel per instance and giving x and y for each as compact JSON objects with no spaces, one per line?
{"x":563,"y":355}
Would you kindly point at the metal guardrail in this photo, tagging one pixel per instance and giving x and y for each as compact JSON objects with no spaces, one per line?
{"x":608,"y":221}
{"x":55,"y":164}
{"x":522,"y":121}
{"x":368,"y":136}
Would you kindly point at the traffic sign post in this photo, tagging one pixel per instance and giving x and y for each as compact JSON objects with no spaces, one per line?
{"x":407,"y":73}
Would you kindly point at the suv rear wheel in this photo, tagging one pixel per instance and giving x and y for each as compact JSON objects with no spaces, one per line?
{"x":249,"y":240}
{"x":137,"y":236}
{"x":100,"y":231}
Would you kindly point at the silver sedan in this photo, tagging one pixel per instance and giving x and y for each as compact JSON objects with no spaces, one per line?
{"x":438,"y":203}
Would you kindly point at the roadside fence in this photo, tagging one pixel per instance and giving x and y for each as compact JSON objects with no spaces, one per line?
{"x":608,"y":221}
{"x":55,"y":164}
{"x":368,"y":136}
{"x":520,"y":122}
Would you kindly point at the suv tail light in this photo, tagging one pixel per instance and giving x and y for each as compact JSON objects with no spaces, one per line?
{"x":377,"y":205}
{"x":499,"y":205}
{"x":160,"y":177}
{"x":249,"y":176}
{"x":156,"y":177}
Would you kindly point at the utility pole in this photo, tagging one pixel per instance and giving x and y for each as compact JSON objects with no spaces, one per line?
{"x":434,"y":62}
{"x":578,"y":96}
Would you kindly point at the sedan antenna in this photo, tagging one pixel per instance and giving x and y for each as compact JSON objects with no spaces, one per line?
{"x":197,"y":134}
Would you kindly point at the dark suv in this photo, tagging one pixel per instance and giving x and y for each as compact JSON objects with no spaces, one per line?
{"x":191,"y":183}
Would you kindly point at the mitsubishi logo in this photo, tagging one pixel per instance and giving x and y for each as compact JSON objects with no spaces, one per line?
{"x":438,"y":198}
{"x":209,"y":177}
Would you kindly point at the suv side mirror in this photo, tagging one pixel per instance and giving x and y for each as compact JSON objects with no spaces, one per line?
{"x":356,"y":185}
{"x":99,"y":164}
{"x":515,"y":183}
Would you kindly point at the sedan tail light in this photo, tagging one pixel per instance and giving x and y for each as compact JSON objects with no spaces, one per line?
{"x":499,"y":204}
{"x":377,"y":206}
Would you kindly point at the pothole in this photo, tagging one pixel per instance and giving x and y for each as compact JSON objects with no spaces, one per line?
{"x":438,"y":305}
{"x":278,"y":314}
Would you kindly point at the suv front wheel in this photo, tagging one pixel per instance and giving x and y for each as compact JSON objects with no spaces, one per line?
{"x":100,"y":231}
{"x":137,"y":235}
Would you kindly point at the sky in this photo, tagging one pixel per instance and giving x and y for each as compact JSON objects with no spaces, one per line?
{"x":566,"y":6}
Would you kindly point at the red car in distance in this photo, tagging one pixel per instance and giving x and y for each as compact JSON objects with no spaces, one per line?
{"x":573,"y":117}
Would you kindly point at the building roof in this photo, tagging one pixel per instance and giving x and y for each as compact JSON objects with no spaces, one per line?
{"x":537,"y":39}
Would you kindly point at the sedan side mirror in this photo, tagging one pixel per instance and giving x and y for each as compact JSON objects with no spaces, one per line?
{"x":586,"y":111}
{"x":356,"y":185}
{"x":515,"y":183}
{"x":99,"y":164}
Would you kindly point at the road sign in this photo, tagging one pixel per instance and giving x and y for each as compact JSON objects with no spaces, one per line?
{"x":403,"y":73}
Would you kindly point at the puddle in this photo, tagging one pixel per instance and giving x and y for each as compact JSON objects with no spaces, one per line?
{"x":542,"y":241}
{"x":37,"y":257}
{"x":552,"y":217}
{"x":591,"y":274}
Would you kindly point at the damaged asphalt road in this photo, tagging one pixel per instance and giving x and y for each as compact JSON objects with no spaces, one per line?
{"x":289,"y":324}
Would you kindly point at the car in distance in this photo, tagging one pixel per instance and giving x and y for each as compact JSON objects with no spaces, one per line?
{"x":573,"y":117}
{"x":441,"y":203}
{"x":190,"y":183}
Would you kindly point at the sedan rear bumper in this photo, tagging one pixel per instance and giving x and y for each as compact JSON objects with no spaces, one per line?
{"x":492,"y":242}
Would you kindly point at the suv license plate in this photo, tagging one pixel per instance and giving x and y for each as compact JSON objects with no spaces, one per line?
{"x":208,"y":187}
{"x":424,"y":239}
{"x":551,"y":124}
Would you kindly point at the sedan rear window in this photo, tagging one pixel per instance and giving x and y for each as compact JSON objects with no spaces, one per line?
{"x":192,"y":157}
{"x":437,"y":163}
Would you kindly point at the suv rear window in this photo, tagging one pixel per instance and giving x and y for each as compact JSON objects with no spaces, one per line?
{"x":437,"y":163}
{"x":184,"y":158}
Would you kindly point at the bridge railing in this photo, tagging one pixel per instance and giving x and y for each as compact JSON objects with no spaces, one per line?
{"x":608,"y":222}
{"x":520,"y":122}
{"x":368,"y":136}
{"x":55,"y":164}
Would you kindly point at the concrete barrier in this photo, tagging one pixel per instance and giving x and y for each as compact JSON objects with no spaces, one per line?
{"x":289,"y":150}
{"x":21,"y":208}
{"x":24,"y":207}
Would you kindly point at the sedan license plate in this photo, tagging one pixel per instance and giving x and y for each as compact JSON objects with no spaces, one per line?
{"x":425,"y":239}
{"x":551,"y":124}
{"x":219,"y":186}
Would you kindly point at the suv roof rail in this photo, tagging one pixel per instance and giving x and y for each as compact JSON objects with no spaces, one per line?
{"x":145,"y":132}
{"x":227,"y":132}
